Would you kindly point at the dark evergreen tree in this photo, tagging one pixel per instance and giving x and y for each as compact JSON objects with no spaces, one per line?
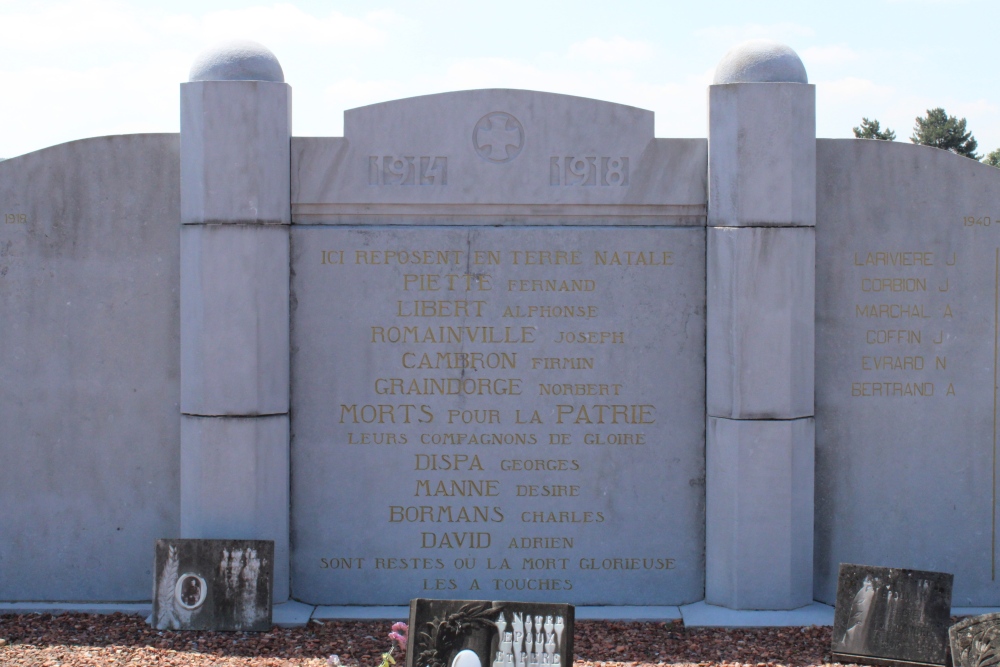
{"x":871,"y":129}
{"x":993,"y":158}
{"x":940,"y":130}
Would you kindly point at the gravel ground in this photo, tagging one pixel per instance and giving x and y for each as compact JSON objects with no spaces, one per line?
{"x":78,"y":640}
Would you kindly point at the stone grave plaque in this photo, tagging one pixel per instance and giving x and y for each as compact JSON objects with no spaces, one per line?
{"x":891,"y":616}
{"x":512,"y":412}
{"x":213,"y":585}
{"x":484,"y":633}
{"x":975,"y":641}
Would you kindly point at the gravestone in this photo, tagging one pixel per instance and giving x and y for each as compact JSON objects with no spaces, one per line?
{"x":975,"y":641}
{"x":213,"y":585}
{"x":484,"y":633}
{"x":891,"y":616}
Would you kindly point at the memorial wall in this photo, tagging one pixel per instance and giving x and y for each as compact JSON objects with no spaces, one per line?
{"x":461,"y":351}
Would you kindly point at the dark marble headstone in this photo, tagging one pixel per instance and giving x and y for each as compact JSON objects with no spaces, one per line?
{"x":484,"y":633}
{"x":975,"y":641}
{"x":888,"y":616}
{"x":213,"y":585}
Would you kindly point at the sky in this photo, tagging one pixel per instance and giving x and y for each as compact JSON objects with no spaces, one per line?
{"x":71,"y":69}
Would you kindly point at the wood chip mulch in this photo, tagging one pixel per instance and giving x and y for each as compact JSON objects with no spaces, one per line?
{"x":78,"y":640}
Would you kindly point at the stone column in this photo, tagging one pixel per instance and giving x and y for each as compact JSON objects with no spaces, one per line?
{"x":235,"y":215}
{"x":760,"y":330}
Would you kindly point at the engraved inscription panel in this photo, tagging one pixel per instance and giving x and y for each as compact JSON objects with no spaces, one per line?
{"x":908,"y":259}
{"x":498,"y":413}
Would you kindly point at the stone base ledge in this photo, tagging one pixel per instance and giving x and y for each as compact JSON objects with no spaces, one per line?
{"x":360,"y":613}
{"x":294,"y":614}
{"x":704,"y":615}
{"x":55,"y":608}
{"x":627,"y":613}
{"x":291,"y":614}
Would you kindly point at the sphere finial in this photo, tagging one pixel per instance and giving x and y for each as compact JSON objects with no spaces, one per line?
{"x":236,"y":60}
{"x":760,"y":61}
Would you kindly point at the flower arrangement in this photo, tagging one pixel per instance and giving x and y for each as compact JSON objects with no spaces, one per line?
{"x":398,"y":635}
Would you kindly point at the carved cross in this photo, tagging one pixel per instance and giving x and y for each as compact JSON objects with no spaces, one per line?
{"x":498,"y":137}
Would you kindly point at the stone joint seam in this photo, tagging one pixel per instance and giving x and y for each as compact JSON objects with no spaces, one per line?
{"x":765,"y":419}
{"x":761,"y":225}
{"x":239,"y":416}
{"x":238,"y":223}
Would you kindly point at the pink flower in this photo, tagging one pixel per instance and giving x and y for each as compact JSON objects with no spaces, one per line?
{"x":398,"y":634}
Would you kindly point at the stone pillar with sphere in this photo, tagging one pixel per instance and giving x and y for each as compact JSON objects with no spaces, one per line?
{"x":760,"y":330}
{"x":235,"y":215}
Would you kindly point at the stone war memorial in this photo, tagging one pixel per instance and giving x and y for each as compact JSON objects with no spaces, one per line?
{"x":500,"y":345}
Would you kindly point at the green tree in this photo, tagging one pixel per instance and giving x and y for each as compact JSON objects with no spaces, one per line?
{"x":993,"y":158}
{"x":870,"y":129}
{"x":940,"y":130}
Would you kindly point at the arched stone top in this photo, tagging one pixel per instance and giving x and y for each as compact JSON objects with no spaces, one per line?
{"x":551,"y":111}
{"x":502,"y":148}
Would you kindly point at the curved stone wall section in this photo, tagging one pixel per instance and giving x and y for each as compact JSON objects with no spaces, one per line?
{"x":907,"y":294}
{"x":89,"y":336}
